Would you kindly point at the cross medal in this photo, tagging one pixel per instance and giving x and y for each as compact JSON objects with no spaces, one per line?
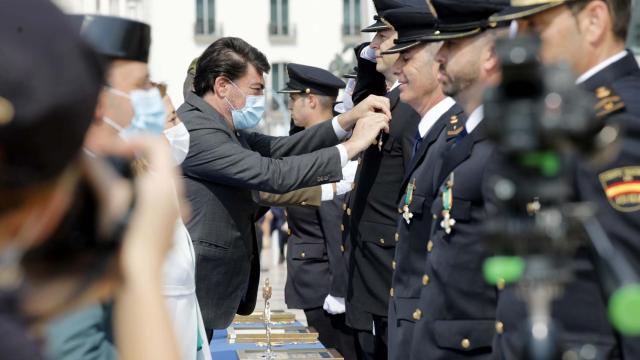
{"x":447,"y":222}
{"x":408,"y":197}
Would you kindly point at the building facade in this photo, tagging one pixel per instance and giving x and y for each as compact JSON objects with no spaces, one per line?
{"x":314,"y":32}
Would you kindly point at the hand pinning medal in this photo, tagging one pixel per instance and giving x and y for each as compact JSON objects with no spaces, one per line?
{"x":447,"y":222}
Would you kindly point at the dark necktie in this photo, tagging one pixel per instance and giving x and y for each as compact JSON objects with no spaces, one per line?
{"x":416,"y":144}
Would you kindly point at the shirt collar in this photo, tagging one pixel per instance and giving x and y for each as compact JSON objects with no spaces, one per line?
{"x":430,"y":118}
{"x":395,"y":85}
{"x":596,"y":69}
{"x":474,"y":119}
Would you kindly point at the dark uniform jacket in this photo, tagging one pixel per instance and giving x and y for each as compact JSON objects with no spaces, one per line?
{"x":372,"y":216}
{"x":455,"y":315}
{"x":581,"y":311}
{"x":411,"y":240}
{"x":315,"y":267}
{"x":220,"y":171}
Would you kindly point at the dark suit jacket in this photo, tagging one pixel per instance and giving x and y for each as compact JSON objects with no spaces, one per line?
{"x":455,"y":315}
{"x":315,"y":267}
{"x":372,"y":214}
{"x":581,"y":311}
{"x":221,"y":170}
{"x":411,"y":245}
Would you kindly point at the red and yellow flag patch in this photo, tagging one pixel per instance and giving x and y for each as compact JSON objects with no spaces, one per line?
{"x":622,"y":187}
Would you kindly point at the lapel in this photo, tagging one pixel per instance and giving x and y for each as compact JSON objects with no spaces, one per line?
{"x":431,"y":136}
{"x":611,"y":73}
{"x":455,"y":155}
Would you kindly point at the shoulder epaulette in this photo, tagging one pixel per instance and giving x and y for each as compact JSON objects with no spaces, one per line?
{"x":608,"y":102}
{"x":454,"y":127}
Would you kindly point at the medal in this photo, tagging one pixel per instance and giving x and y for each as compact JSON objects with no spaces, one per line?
{"x":380,"y":141}
{"x":447,"y":222}
{"x":408,"y":198}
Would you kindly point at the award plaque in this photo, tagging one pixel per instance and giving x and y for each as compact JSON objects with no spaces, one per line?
{"x":280,"y":335}
{"x":307,"y":354}
{"x":277,"y":317}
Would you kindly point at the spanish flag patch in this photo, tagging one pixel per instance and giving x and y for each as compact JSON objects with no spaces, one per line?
{"x":622,"y":187}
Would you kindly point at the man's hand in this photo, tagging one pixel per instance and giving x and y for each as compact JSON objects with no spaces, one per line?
{"x":367,"y":130}
{"x":372,"y":103}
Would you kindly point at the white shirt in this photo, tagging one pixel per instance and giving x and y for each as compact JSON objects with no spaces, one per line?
{"x":474,"y":119}
{"x":596,"y":69}
{"x":435,"y":113}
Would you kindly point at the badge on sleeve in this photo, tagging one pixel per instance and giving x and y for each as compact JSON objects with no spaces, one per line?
{"x":622,"y":187}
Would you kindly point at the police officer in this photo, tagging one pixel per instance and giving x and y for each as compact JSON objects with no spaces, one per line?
{"x":592,"y":42}
{"x":456,"y":308}
{"x":316,"y":271}
{"x":370,"y":216}
{"x":416,"y":70}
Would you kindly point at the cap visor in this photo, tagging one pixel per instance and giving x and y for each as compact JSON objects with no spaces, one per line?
{"x":401,"y":47}
{"x":288,"y":90}
{"x":379,"y":25}
{"x":519,"y":12}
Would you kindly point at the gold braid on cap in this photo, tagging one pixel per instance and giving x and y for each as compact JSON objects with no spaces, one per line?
{"x":432,"y":8}
{"x":536,"y":2}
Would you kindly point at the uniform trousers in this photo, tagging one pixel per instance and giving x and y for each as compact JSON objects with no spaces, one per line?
{"x":333,"y":332}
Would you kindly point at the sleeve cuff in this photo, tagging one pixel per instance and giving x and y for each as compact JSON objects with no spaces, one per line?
{"x":340,"y":132}
{"x":344,"y":156}
{"x":368,"y":53}
{"x":327,"y":192}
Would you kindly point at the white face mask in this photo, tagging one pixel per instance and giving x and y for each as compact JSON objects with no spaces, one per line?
{"x":179,"y":139}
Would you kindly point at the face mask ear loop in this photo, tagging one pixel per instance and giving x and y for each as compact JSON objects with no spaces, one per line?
{"x":112,"y":123}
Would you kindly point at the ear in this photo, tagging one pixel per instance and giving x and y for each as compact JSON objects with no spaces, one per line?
{"x":490,"y":62}
{"x":221,"y":87}
{"x":99,"y":113}
{"x":595,"y":21}
{"x":313,"y":101}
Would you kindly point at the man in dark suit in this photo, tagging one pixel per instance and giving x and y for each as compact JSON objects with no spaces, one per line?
{"x":611,"y":73}
{"x":370,"y":216}
{"x":316,"y":272}
{"x":416,"y":70}
{"x":226,"y":163}
{"x":455,"y":313}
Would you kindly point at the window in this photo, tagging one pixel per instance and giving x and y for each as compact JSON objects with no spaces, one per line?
{"x":352,"y":13}
{"x":205,"y":17}
{"x":279,"y":24}
{"x":279,"y":78}
{"x":633,"y":40}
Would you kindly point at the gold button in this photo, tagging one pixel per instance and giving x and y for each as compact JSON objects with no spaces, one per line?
{"x":499,"y":327}
{"x":500,"y":284}
{"x":341,"y":227}
{"x":397,"y":237}
{"x":391,"y":292}
{"x":393,"y":264}
{"x":344,"y":206}
{"x":430,"y":246}
{"x":289,"y":232}
{"x":303,"y":203}
{"x":417,"y":315}
{"x":342,"y":248}
{"x":381,"y":241}
{"x":7,"y":111}
{"x":303,"y":254}
{"x":465,"y":343}
{"x":435,"y":216}
{"x":349,"y":212}
{"x":399,"y":211}
{"x":425,"y":280}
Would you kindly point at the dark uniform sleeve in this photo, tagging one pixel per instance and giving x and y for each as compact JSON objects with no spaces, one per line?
{"x":331,"y":218}
{"x":310,"y":196}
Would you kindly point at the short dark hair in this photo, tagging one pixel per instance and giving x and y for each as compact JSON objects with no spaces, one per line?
{"x":620,"y":11}
{"x":229,"y":57}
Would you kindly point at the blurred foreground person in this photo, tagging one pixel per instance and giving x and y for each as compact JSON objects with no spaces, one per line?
{"x":589,"y":36}
{"x":227,"y":165}
{"x":50,"y":83}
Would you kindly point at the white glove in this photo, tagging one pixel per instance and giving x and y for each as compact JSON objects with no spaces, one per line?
{"x":368,"y":53}
{"x":334,"y":305}
{"x":346,"y":101}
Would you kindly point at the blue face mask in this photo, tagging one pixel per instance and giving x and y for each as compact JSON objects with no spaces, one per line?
{"x":149,"y":113}
{"x":251,"y":114}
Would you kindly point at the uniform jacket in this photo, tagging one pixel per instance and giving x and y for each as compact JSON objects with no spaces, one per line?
{"x":581,"y":311}
{"x":315,"y":267}
{"x":221,"y":172}
{"x":455,"y":314}
{"x":371,"y":214}
{"x":411,"y":242}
